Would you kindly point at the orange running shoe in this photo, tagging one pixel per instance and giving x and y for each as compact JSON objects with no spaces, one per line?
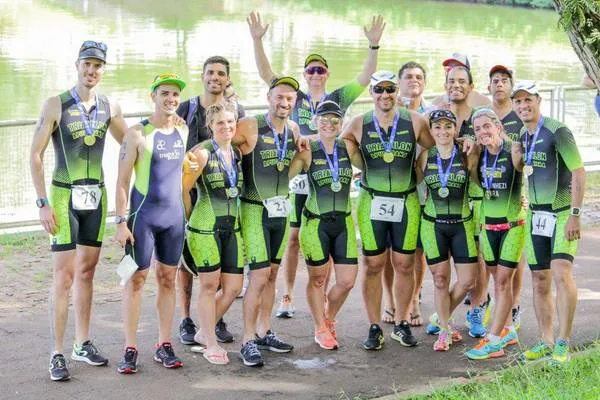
{"x":325,"y":339}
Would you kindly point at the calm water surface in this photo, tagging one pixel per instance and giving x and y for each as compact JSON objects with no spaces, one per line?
{"x":39,"y":42}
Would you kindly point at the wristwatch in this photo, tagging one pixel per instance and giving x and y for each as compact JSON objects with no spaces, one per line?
{"x":575,"y":211}
{"x":41,"y":202}
{"x":119,"y":219}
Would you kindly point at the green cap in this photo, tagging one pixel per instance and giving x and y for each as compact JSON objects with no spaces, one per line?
{"x":285,"y":80}
{"x":166,"y":79}
{"x":315,"y":57}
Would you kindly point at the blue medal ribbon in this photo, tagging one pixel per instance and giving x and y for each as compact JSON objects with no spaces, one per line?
{"x":489,"y":178}
{"x":334,"y":165}
{"x":529,"y":148}
{"x":387,"y":147}
{"x":230,"y":172}
{"x":280,"y":148}
{"x":313,"y":107}
{"x":445,"y":175}
{"x":86,"y":122}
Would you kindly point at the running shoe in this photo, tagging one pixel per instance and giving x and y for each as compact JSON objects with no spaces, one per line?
{"x":485,"y":350}
{"x":403,"y":334}
{"x":456,"y":335}
{"x":58,"y":368}
{"x":508,"y":337}
{"x":187,"y":331}
{"x":487,"y":306}
{"x":166,"y":356}
{"x":443,"y":342}
{"x":325,"y":339}
{"x":128,"y":364}
{"x":375,"y":339}
{"x":476,"y":328}
{"x":433,"y":327}
{"x":539,"y":350}
{"x":223,"y":335}
{"x":516,"y":318}
{"x":88,"y":353}
{"x":286,"y":308}
{"x":250,"y":354}
{"x":273,"y":343}
{"x":331,"y":326}
{"x":560,"y":354}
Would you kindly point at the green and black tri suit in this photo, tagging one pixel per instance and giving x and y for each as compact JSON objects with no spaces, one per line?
{"x":327,"y":228}
{"x":502,"y":235}
{"x":512,"y":125}
{"x":447,"y":224}
{"x":78,"y":172}
{"x":388,"y":189}
{"x":265,"y":237}
{"x":555,"y":156}
{"x":213,"y":237}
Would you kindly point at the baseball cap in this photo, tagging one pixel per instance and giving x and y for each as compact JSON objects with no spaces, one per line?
{"x":526,"y":86}
{"x":285,"y":80}
{"x":93,"y":49}
{"x":329,"y":107}
{"x":460,"y":58}
{"x":315,"y":57}
{"x":382,"y":76}
{"x":501,"y":68}
{"x":166,"y":79}
{"x":437,"y":115}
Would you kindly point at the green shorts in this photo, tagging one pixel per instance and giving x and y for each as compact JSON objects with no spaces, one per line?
{"x":83,"y":227}
{"x":541,"y":250}
{"x":298,"y":201}
{"x":440,"y":239}
{"x":265,"y":238}
{"x":219,"y":248}
{"x":376,"y":235}
{"x":503,"y":247}
{"x":330,"y":234}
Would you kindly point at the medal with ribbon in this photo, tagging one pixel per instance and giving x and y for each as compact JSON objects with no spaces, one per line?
{"x":230,"y":170}
{"x":488,"y":177}
{"x":334,"y":167}
{"x":313,"y":110}
{"x":529,"y":149}
{"x":443,"y":192}
{"x":89,"y":138}
{"x":388,"y":156}
{"x":280,"y":147}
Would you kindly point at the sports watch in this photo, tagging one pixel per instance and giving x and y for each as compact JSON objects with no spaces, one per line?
{"x":119,"y":219}
{"x":41,"y":202}
{"x":575,"y":211}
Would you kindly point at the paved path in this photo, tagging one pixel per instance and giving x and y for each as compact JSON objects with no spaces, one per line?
{"x":306,"y":373}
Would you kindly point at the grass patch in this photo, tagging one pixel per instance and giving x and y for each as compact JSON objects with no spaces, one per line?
{"x":579,"y":380}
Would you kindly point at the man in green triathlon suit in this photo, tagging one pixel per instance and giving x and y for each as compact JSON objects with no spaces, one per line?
{"x":215,"y":78}
{"x":556,"y":187}
{"x":267,"y":143}
{"x":500,"y":87}
{"x":316,"y":74}
{"x":388,"y":206}
{"x":75,"y":212}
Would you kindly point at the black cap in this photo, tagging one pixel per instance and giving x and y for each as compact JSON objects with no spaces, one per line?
{"x":285,"y":80}
{"x":329,"y":107}
{"x":93,"y":49}
{"x":437,"y":115}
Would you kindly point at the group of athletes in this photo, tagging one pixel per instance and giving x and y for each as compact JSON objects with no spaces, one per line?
{"x":459,"y":183}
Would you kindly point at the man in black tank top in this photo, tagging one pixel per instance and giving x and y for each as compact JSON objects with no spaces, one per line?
{"x":74,"y":216}
{"x":215,"y":78}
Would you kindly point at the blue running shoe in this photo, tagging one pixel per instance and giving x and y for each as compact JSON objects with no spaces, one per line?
{"x":476,"y":329}
{"x":433,"y":327}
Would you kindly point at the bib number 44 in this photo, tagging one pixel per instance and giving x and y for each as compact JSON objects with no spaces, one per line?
{"x":543,"y":223}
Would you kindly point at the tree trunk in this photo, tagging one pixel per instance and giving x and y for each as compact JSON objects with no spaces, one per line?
{"x":584,"y":51}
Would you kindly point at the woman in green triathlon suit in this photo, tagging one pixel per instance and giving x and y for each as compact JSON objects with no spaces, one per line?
{"x":447,"y":227}
{"x":213,"y":231}
{"x":502,"y":235}
{"x":327,"y":229}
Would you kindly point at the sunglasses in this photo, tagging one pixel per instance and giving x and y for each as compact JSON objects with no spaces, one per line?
{"x":316,"y":70}
{"x":91,"y":44}
{"x":387,"y":89}
{"x":442,"y":114}
{"x":330,"y":120}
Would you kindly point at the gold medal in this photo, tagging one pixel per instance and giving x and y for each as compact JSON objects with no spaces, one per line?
{"x":528,"y":170}
{"x":89,"y":140}
{"x":280,"y":166}
{"x":388,"y":157}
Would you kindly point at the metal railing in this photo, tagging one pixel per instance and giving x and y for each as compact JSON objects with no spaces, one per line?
{"x":570,"y":104}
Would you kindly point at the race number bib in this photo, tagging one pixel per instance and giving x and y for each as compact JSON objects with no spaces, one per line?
{"x":389,"y":209}
{"x":543,"y":223}
{"x":299,"y":185}
{"x":277,"y":207}
{"x":85,"y":197}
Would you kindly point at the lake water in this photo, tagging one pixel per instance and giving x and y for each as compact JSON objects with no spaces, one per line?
{"x":39,"y":41}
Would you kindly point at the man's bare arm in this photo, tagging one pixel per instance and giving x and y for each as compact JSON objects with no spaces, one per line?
{"x":373,"y":35}
{"x":117,"y":126}
{"x":258,"y":30}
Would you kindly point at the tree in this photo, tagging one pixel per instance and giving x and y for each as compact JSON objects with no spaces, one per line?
{"x":581,"y":21}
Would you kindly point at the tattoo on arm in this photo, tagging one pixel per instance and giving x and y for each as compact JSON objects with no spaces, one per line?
{"x":123,"y":152}
{"x":38,"y":127}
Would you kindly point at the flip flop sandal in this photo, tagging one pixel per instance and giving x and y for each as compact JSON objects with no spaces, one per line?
{"x":388,"y":316}
{"x":199,"y":348}
{"x":217,"y":359}
{"x":415,"y":317}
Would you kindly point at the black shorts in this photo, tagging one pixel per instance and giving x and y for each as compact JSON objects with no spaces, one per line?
{"x":331,"y":234}
{"x":439,"y":239}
